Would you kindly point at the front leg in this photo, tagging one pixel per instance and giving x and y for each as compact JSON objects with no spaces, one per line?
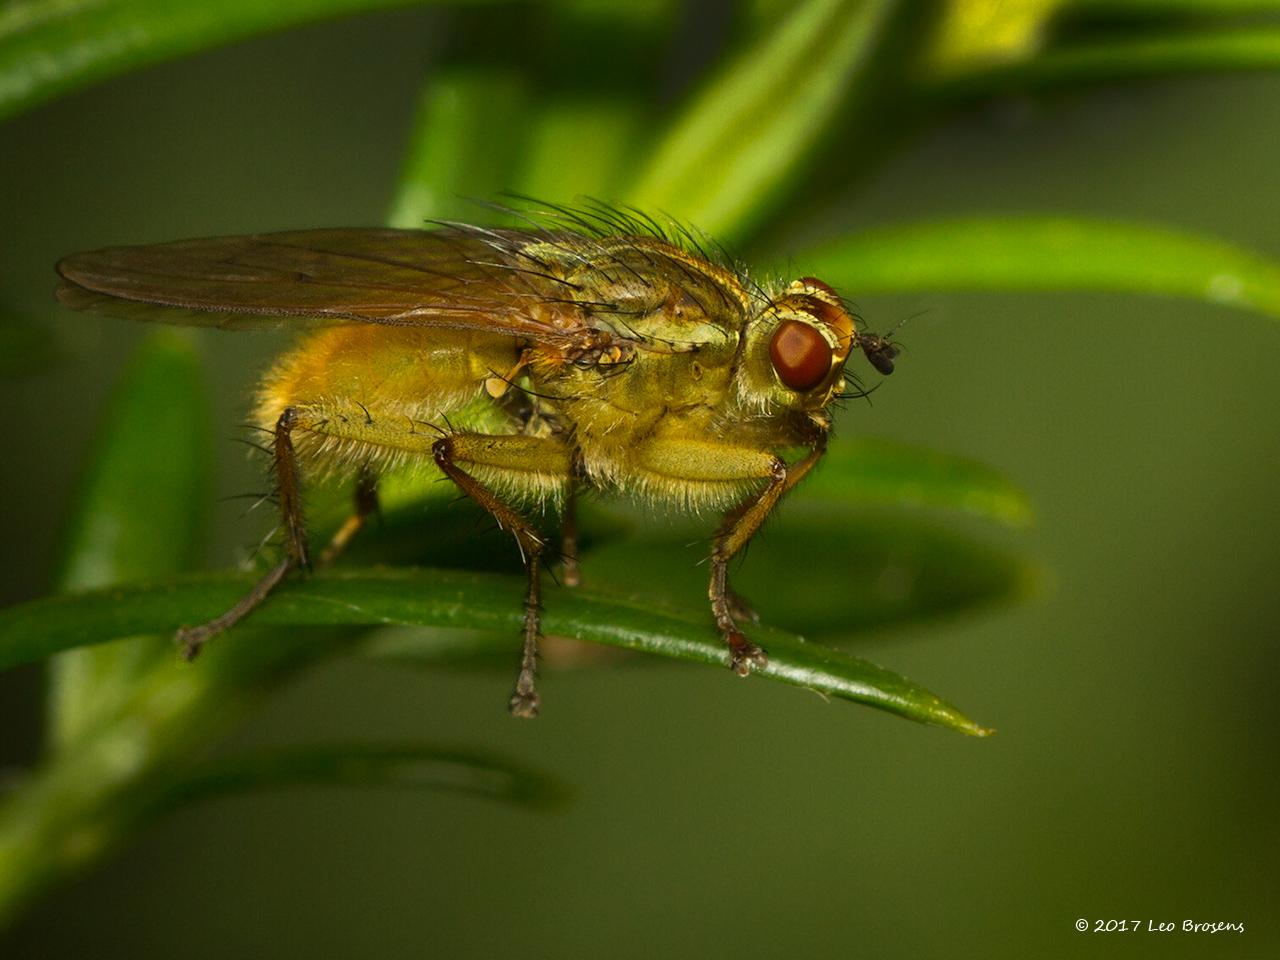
{"x":736,"y":531}
{"x":696,"y":464}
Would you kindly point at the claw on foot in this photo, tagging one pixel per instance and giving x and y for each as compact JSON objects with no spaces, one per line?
{"x":744,"y":655}
{"x":524,"y":704}
{"x":190,"y":639}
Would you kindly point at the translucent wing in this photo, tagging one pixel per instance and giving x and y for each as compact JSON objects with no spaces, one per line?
{"x":447,"y":278}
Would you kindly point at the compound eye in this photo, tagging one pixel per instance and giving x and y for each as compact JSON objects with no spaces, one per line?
{"x":813,"y":283}
{"x":801,"y":355}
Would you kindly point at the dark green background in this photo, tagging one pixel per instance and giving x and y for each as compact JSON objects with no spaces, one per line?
{"x":1136,"y":770}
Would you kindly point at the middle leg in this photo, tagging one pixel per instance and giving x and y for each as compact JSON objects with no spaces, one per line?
{"x":570,"y":571}
{"x":528,"y":466}
{"x":365,"y":505}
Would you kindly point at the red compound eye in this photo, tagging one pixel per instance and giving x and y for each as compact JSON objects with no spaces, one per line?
{"x":814,"y":283}
{"x":801,"y":355}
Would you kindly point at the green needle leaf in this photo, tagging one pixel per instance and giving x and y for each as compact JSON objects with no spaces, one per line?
{"x":1120,"y":58}
{"x":148,"y":472}
{"x":142,"y":503}
{"x":49,"y":47}
{"x":86,"y":798}
{"x":591,"y":118}
{"x":398,"y":766}
{"x":578,"y":146}
{"x":1129,"y":11}
{"x":469,"y":131}
{"x":882,"y":471}
{"x":738,"y":141}
{"x":450,"y":598}
{"x":859,"y":571}
{"x":1049,"y":253}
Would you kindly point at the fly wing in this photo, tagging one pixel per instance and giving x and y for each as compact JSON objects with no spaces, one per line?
{"x":442,"y":278}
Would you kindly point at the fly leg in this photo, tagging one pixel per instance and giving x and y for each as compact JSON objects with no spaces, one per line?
{"x":535,"y":464}
{"x":297,"y":553}
{"x":570,"y":573}
{"x":713,"y":465}
{"x":739,"y":609}
{"x":736,"y":530}
{"x":366,"y":505}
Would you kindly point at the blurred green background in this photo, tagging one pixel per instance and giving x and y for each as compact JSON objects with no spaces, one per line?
{"x":1135,"y":773}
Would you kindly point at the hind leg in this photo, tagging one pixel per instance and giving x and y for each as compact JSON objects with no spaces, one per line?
{"x":297,"y":551}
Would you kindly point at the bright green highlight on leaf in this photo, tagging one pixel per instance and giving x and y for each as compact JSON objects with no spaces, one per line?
{"x":606,"y":130}
{"x":989,"y":31}
{"x":1049,"y":253}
